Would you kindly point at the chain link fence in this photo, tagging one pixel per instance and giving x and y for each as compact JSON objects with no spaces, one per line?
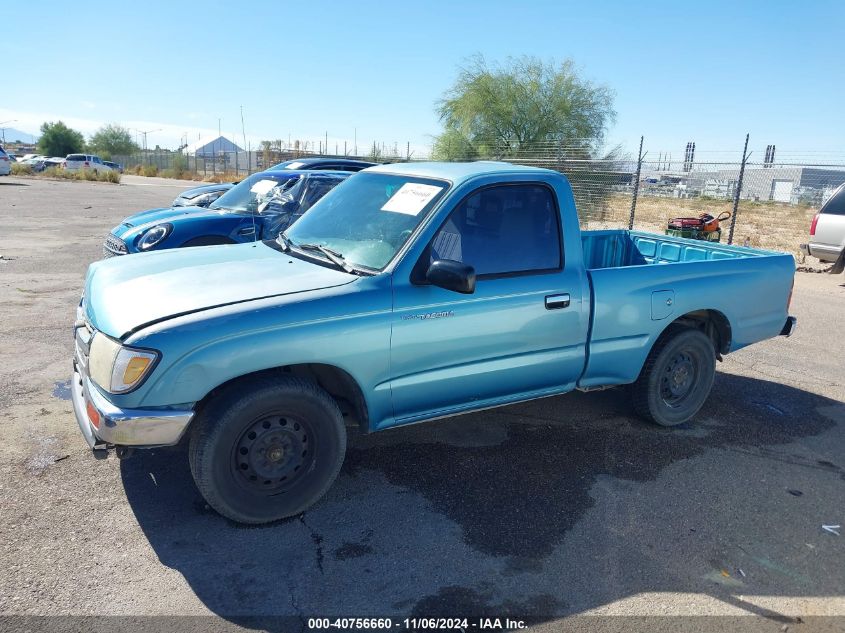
{"x":768,"y":201}
{"x":771,"y":201}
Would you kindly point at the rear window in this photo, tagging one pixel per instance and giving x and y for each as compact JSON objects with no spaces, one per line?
{"x":79,"y":157}
{"x":836,"y":205}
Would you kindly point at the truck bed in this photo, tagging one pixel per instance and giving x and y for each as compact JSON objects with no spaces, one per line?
{"x":641,"y":282}
{"x":618,"y":248}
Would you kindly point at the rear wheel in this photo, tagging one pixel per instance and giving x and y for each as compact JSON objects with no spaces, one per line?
{"x":267,"y":452}
{"x":676,"y":378}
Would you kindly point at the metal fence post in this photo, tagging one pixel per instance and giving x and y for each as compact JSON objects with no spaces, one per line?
{"x":738,"y":190}
{"x":636,"y":186}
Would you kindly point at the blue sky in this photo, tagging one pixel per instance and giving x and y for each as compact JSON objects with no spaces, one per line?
{"x":704,"y":71}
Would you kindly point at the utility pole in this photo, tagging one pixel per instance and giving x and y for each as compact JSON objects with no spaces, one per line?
{"x":144,"y":133}
{"x":243,"y":129}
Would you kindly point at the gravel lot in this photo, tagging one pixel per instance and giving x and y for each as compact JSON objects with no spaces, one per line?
{"x":562,"y":506}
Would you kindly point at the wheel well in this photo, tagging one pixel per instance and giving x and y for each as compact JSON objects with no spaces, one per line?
{"x":338,"y":383}
{"x":713,"y":323}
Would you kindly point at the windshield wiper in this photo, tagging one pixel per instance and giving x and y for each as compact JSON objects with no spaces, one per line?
{"x":333,"y":256}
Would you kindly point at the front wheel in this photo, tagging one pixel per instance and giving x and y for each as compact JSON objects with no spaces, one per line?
{"x":269,"y":451}
{"x":676,"y":378}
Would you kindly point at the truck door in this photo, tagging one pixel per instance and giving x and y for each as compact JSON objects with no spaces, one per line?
{"x":521,"y":334}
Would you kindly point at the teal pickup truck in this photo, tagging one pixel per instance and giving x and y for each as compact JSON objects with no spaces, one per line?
{"x":410,"y":292}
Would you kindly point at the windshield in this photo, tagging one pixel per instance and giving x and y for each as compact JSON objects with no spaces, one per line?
{"x":369,"y":217}
{"x":251,"y":192}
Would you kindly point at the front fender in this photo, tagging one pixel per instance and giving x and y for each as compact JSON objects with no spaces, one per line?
{"x":345,"y":328}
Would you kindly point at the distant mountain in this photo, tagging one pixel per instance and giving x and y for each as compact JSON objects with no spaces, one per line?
{"x":13,"y":134}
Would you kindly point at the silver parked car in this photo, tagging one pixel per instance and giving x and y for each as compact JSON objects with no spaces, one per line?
{"x":827,"y":232}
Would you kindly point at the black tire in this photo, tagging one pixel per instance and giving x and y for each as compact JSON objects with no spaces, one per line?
{"x":208,"y":240}
{"x":268,"y":449}
{"x":676,"y":378}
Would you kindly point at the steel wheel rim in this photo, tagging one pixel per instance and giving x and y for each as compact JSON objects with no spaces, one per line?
{"x":273,"y":454}
{"x":679,"y":378}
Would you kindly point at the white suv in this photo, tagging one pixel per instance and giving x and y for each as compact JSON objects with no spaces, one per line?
{"x":75,"y":162}
{"x":827,"y":231}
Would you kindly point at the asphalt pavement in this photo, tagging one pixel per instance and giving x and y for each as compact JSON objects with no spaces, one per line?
{"x":567,"y":506}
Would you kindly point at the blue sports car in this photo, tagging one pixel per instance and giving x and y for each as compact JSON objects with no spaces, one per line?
{"x":259,"y":207}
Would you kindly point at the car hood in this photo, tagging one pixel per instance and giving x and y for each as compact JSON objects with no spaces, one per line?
{"x":123,"y":294}
{"x":154,"y":216}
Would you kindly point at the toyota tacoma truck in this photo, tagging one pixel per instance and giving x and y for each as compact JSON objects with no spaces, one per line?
{"x":409,"y":292}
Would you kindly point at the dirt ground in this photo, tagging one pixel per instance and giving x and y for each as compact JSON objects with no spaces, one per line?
{"x":770,"y":225}
{"x":562,"y":507}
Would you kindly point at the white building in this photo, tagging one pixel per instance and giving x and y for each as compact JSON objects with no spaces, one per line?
{"x":212,"y":146}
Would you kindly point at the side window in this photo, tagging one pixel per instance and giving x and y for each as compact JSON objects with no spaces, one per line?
{"x":97,"y":160}
{"x":503,"y":230}
{"x":836,"y":205}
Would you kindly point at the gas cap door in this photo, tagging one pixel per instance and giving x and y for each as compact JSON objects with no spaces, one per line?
{"x":662,"y":304}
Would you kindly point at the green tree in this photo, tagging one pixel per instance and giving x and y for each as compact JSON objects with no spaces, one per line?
{"x":57,"y":139}
{"x":113,"y":140}
{"x":524,"y":106}
{"x":453,"y":145}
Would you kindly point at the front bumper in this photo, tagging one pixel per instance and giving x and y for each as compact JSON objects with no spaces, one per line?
{"x":123,"y":427}
{"x":789,"y":327}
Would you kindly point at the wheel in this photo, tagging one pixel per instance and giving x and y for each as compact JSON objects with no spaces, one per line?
{"x":208,"y":240}
{"x":269,"y":451}
{"x":676,"y":378}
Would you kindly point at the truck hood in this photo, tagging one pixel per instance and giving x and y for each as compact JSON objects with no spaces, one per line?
{"x":123,"y":294}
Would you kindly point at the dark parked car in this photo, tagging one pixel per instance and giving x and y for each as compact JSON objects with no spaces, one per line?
{"x":202,"y":196}
{"x":257,"y":208}
{"x":336,"y":164}
{"x":115,"y":166}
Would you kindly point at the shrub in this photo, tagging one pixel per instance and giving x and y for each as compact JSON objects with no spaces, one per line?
{"x":149,"y":170}
{"x":21,"y":170}
{"x":180,"y":166}
{"x":112,"y":176}
{"x":82,"y":174}
{"x":54,"y":172}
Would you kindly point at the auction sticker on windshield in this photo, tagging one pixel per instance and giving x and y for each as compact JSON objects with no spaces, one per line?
{"x":263,"y":186}
{"x":411,"y":198}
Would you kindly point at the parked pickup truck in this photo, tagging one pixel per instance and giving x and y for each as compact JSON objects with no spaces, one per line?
{"x":409,"y":292}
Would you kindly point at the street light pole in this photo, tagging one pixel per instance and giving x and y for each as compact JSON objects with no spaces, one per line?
{"x":4,"y":129}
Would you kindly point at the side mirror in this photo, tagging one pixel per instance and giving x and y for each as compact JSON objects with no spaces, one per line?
{"x":451,"y":275}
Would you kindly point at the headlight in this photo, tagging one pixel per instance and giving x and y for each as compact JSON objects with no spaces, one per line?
{"x":116,"y":368}
{"x":153,"y":236}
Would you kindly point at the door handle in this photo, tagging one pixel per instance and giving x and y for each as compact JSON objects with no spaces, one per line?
{"x":555,"y":302}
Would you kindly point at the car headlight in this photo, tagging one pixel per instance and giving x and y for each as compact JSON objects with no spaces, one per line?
{"x":153,"y":236}
{"x":117,"y":368}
